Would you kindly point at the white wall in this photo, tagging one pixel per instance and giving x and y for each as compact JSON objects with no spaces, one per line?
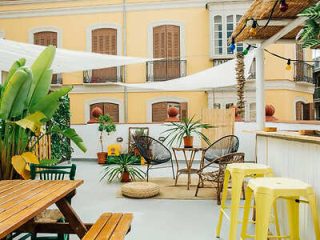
{"x":244,"y":130}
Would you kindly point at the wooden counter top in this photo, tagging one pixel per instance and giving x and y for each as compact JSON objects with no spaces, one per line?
{"x":290,"y":136}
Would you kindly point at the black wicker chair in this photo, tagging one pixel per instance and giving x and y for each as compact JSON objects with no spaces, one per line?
{"x":223,"y":146}
{"x":206,"y":174}
{"x":154,"y":153}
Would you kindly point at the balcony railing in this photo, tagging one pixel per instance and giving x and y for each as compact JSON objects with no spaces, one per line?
{"x":316,"y":64}
{"x":104,"y":75}
{"x":303,"y":72}
{"x":162,"y":70}
{"x":316,"y":95}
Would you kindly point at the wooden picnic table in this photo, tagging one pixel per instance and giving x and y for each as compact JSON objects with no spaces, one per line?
{"x":22,"y":200}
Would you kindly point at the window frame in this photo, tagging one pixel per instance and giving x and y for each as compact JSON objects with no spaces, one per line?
{"x":225,"y":52}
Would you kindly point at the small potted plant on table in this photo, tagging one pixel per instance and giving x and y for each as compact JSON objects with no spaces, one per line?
{"x":123,"y":170}
{"x":185,"y":130}
{"x":105,"y":125}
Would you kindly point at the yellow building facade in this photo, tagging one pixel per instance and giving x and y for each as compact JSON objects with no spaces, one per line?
{"x":190,"y":36}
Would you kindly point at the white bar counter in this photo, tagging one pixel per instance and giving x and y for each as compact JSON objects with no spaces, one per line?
{"x":292,"y":155}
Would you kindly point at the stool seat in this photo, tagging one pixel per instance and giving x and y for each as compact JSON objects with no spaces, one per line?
{"x":266,"y":191}
{"x":285,"y":186}
{"x":249,"y":168}
{"x":238,"y":172}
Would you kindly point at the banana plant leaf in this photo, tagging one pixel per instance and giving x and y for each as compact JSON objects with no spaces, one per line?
{"x":72,"y":135}
{"x":32,"y":122}
{"x":15,"y":94}
{"x":40,"y":70}
{"x":21,"y":163}
{"x":49,"y":104}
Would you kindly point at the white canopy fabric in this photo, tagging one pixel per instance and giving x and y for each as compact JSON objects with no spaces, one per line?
{"x":65,"y":60}
{"x":223,"y":75}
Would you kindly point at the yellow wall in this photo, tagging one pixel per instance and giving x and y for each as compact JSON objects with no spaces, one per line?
{"x":196,"y":30}
{"x":284,"y":102}
{"x":137,"y":103}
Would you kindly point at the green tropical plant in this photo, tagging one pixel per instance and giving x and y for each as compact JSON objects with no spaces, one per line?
{"x":310,"y":34}
{"x":105,"y":125}
{"x":124,"y":164}
{"x":25,"y":107}
{"x":187,"y":127}
{"x":60,"y":145}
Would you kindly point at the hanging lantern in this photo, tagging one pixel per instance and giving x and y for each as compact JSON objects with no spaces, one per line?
{"x":288,"y":67}
{"x":246,"y":51}
{"x":232,"y":46}
{"x":283,"y":6}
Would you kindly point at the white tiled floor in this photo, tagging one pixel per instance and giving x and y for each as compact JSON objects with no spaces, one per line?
{"x":154,"y":219}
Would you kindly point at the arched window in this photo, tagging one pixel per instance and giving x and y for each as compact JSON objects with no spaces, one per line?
{"x":104,"y":41}
{"x":160,"y":110}
{"x":46,"y":38}
{"x":107,"y":108}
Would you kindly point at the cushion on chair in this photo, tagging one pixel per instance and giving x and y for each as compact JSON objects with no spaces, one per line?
{"x":140,"y":189}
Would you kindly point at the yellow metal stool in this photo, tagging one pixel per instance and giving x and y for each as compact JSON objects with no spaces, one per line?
{"x":238,"y":172}
{"x":266,"y":191}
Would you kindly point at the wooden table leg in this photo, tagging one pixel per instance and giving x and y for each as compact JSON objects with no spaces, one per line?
{"x":71,"y":216}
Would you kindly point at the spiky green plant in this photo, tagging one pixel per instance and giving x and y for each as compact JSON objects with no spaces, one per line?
{"x":125,"y":163}
{"x":187,"y":127}
{"x":310,"y":35}
{"x":25,"y":107}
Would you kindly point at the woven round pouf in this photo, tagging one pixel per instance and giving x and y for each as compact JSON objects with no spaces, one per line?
{"x":140,"y":189}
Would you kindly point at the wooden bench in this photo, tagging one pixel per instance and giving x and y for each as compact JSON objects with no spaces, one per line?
{"x":110,"y":226}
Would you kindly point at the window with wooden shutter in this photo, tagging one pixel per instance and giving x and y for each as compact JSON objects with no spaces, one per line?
{"x":160,"y":110}
{"x":107,"y":108}
{"x":166,"y":44}
{"x":299,"y":110}
{"x":104,"y":41}
{"x":113,"y":110}
{"x":47,"y":38}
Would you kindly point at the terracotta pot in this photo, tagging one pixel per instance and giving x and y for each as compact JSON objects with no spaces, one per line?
{"x":102,"y":157}
{"x":188,"y":141}
{"x":125,"y":177}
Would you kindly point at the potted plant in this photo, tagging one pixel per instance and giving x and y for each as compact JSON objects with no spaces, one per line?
{"x":123,"y":170}
{"x":105,"y":125}
{"x":185,"y":130}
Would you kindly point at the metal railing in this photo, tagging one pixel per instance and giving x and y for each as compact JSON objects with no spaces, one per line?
{"x":162,"y":70}
{"x":316,"y":95}
{"x":89,"y":76}
{"x":303,"y":72}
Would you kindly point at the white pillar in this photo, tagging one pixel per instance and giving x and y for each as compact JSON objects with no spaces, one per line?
{"x":260,"y":96}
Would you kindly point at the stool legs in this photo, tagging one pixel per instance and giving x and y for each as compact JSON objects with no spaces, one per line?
{"x":246,"y":212}
{"x":223,"y":201}
{"x":313,"y":207}
{"x":293,"y":218}
{"x":237,"y":180}
{"x":264,"y":203}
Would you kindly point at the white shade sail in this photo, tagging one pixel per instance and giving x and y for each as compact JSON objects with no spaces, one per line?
{"x":65,"y":60}
{"x":223,"y":75}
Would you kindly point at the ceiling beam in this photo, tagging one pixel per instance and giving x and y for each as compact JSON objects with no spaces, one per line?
{"x":284,"y":31}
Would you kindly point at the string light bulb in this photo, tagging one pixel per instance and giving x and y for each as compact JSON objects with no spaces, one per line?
{"x":283,"y":6}
{"x":253,"y":29}
{"x":232,"y":46}
{"x":246,"y":51}
{"x":288,"y":67}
